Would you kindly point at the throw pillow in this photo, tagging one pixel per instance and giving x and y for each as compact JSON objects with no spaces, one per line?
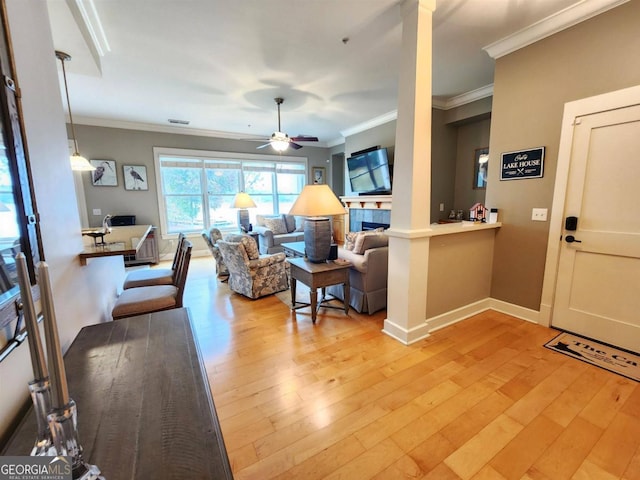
{"x":290,"y":222}
{"x":250,"y":247}
{"x":350,"y":240}
{"x":299,"y":224}
{"x":374,"y":241}
{"x":368,"y":239}
{"x":276,"y":225}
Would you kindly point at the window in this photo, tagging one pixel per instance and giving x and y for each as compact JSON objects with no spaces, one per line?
{"x":196,"y":188}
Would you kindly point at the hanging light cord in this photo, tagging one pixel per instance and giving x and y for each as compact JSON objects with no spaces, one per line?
{"x":63,"y":56}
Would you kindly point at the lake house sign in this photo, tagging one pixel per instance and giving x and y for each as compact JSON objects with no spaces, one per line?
{"x":522,"y":164}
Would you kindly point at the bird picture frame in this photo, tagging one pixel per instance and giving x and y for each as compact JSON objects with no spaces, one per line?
{"x":105,"y":173}
{"x":135,"y":177}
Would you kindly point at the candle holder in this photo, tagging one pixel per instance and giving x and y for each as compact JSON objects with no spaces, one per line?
{"x":63,"y":423}
{"x":41,"y":397}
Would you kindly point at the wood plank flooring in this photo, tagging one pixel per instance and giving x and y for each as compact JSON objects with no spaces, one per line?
{"x":482,"y":399}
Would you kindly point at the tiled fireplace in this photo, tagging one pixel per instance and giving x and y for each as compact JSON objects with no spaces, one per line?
{"x":375,"y":209}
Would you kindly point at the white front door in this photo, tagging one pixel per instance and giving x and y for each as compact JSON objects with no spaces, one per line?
{"x":598,"y":285}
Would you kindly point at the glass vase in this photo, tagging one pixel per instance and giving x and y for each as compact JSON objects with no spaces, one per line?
{"x":63,"y":423}
{"x":41,"y":397}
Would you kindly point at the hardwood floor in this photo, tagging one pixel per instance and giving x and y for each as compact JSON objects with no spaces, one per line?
{"x":481,"y":399}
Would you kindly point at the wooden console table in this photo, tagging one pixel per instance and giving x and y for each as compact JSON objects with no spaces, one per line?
{"x":318,"y":275}
{"x":144,"y":405}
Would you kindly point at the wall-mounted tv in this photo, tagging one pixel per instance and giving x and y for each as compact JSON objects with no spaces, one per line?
{"x":369,"y":172}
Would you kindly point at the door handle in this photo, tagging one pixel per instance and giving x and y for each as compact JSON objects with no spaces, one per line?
{"x":571,"y":239}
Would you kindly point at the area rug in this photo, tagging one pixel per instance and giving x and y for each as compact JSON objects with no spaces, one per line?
{"x":604,"y":356}
{"x":302,"y":295}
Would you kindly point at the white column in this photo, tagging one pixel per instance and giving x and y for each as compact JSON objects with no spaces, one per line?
{"x":410,"y":215}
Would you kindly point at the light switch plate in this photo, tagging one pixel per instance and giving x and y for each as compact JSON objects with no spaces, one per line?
{"x":539,"y":215}
{"x":442,"y":207}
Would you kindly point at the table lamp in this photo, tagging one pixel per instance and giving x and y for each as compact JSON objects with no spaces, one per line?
{"x":242,"y":202}
{"x":317,"y":203}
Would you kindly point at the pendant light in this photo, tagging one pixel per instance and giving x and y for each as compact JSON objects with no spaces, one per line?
{"x":78,"y":162}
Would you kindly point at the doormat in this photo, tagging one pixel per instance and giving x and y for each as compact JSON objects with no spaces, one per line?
{"x":604,"y":356}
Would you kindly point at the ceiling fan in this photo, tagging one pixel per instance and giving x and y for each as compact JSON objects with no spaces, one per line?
{"x":280,"y":141}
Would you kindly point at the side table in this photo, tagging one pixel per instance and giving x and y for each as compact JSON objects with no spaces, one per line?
{"x":318,"y":275}
{"x":256,"y":237}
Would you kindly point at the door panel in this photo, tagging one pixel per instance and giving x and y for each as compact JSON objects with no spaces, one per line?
{"x":598,"y":288}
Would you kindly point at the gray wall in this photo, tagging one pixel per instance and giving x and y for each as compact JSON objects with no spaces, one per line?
{"x":531,"y":87}
{"x":135,"y":147}
{"x":443,"y":164}
{"x":470,"y":136}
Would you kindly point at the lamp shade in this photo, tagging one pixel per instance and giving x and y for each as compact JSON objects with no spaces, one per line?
{"x":317,"y":201}
{"x":80,"y":164}
{"x":243,"y":200}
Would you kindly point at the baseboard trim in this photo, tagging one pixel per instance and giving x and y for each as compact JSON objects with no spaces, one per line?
{"x":457,"y":315}
{"x":194,"y":253}
{"x":517,"y":311}
{"x":415,"y":334}
{"x":401,"y":334}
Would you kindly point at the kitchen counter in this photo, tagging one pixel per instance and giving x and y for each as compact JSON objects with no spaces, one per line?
{"x":121,"y":241}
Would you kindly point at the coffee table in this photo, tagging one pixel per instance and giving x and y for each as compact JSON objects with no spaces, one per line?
{"x":293,"y":249}
{"x":318,"y":275}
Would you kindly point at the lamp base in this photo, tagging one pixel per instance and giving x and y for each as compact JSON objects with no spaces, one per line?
{"x":317,"y":239}
{"x":243,"y":220}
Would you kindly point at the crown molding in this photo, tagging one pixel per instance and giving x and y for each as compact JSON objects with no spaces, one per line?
{"x":150,"y":127}
{"x":468,"y":97}
{"x":570,"y":16}
{"x":374,"y":122}
{"x":448,"y":104}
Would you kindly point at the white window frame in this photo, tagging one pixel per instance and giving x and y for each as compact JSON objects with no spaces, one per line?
{"x":205,"y":155}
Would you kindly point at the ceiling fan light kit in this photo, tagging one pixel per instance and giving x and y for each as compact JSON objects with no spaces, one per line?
{"x":280,"y":141}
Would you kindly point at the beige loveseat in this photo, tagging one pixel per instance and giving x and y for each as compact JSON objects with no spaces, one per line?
{"x":275,"y":230}
{"x":369,"y":257}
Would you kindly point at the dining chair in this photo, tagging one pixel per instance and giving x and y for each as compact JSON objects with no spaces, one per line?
{"x":148,"y":299}
{"x":154,"y":276}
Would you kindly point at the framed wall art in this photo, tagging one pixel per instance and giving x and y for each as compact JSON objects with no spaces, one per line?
{"x":135,"y":177}
{"x":105,"y":173}
{"x":319,"y":175}
{"x":480,"y":168}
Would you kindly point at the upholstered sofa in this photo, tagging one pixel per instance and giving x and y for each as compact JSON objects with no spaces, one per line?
{"x":251,"y":274}
{"x":368,"y":253}
{"x":275,"y":230}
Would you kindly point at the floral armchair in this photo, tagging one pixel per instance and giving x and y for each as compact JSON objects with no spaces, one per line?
{"x":211,"y":238}
{"x":251,"y":274}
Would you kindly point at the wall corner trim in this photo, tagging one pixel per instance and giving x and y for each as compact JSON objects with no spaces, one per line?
{"x":550,"y":25}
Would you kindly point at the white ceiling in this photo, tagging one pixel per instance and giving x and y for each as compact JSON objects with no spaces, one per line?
{"x":220,"y":63}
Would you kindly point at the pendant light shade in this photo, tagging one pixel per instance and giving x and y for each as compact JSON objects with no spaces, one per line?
{"x":78,"y":162}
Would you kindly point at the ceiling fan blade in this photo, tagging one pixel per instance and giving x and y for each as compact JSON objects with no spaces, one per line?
{"x":304,"y":138}
{"x":295,"y":146}
{"x":263,"y":146}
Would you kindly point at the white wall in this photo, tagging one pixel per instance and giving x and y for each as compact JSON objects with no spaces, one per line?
{"x":83,"y":295}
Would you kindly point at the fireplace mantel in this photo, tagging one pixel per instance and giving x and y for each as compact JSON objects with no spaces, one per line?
{"x":369,"y":202}
{"x":372,"y":208}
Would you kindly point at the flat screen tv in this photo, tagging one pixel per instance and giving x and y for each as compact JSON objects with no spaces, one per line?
{"x":369,"y":172}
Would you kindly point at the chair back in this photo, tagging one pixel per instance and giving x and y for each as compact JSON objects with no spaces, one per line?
{"x":181,"y":238}
{"x":235,"y":256}
{"x":182,"y":268}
